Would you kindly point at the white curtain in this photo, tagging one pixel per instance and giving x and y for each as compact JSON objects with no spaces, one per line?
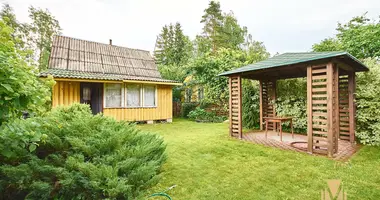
{"x":133,"y":95}
{"x":149,"y":96}
{"x":113,"y":95}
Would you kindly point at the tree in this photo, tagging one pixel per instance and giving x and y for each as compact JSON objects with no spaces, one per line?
{"x":360,"y":37}
{"x":44,"y":26}
{"x":213,"y":23}
{"x":329,"y":44}
{"x":20,"y":88}
{"x":367,"y":100}
{"x":20,"y":30}
{"x":172,"y":46}
{"x":232,"y":34}
{"x":36,"y":36}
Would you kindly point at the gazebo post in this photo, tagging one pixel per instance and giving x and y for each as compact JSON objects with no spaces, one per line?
{"x":267,"y":95}
{"x":309,"y":111}
{"x":235,"y":110}
{"x":351,"y":105}
{"x":261,"y":105}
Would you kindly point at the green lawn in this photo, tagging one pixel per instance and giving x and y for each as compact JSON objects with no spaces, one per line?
{"x":205,"y":163}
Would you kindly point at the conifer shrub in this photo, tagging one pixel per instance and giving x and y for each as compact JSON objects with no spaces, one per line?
{"x":71,"y":154}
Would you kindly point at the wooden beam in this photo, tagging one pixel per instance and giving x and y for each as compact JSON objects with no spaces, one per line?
{"x":351,"y":105}
{"x":230,"y":107}
{"x":336,"y":107}
{"x":240,"y":111}
{"x":309,"y":110}
{"x":330,"y":109}
{"x":261,"y":105}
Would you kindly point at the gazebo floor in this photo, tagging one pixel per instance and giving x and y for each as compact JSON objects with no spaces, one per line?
{"x":298,"y":143}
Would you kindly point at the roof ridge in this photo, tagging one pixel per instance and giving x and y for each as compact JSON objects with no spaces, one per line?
{"x":101,"y":43}
{"x":316,"y":52}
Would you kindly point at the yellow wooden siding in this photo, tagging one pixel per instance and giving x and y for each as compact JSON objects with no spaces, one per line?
{"x":68,"y":92}
{"x":65,"y":93}
{"x":162,"y":111}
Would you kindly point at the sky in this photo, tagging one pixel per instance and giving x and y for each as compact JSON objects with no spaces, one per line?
{"x":282,"y":25}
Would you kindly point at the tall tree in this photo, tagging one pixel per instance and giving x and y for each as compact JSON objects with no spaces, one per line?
{"x":20,"y":30}
{"x":360,"y":37}
{"x":172,"y":46}
{"x":232,"y":34}
{"x":213,"y":23}
{"x":220,"y":30}
{"x":44,"y":26}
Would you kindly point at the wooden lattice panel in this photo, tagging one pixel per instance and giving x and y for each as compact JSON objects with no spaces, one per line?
{"x":268,"y":96}
{"x":235,"y":107}
{"x":322,"y":108}
{"x":344,"y":112}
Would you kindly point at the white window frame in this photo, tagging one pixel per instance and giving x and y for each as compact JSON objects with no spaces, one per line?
{"x":142,"y":91}
{"x":155,"y":96}
{"x":126,"y":97}
{"x":122,"y":95}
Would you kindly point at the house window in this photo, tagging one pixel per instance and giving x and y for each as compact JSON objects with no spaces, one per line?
{"x":133,"y":95}
{"x":113,"y":95}
{"x":149,"y":96}
{"x":200,"y":93}
{"x":189,"y":93}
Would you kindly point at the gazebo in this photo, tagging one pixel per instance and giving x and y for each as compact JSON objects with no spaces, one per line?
{"x":330,"y":94}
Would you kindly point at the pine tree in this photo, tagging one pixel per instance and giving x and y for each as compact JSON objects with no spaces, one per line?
{"x":172,"y":46}
{"x":213,"y":22}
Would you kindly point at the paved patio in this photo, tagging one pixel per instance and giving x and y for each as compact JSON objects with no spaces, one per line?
{"x":298,"y":143}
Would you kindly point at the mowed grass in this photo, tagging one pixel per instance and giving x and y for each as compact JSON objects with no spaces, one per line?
{"x":205,"y":163}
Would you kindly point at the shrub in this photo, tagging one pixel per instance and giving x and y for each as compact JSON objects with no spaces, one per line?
{"x":368,"y":104}
{"x":202,"y":115}
{"x":71,"y":154}
{"x":186,"y":108}
{"x":251,"y":104}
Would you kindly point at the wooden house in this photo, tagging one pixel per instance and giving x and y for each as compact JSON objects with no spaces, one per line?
{"x":120,"y":82}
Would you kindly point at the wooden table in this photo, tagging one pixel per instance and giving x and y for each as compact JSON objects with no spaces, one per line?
{"x":279,"y":120}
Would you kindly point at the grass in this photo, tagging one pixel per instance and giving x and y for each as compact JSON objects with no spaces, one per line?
{"x":205,"y":163}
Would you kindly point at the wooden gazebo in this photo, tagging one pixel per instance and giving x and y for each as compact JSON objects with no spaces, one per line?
{"x":330,"y":94}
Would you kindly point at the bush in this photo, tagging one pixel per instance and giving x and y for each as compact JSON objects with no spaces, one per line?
{"x":251,"y":104}
{"x":71,"y":154}
{"x":368,"y":104}
{"x":186,"y":108}
{"x":202,"y":115}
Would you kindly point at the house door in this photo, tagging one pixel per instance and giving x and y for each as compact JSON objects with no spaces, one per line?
{"x":92,"y":94}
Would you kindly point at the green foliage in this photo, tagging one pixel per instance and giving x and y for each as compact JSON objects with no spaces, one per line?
{"x":44,"y":26}
{"x":251,"y":104}
{"x":207,"y":68}
{"x":367,"y":100}
{"x":359,"y":37}
{"x":20,"y":88}
{"x":201,"y":115}
{"x":172,"y":48}
{"x":187,"y":108}
{"x":329,"y":44}
{"x":36,"y":36}
{"x":291,"y":102}
{"x":72,"y":154}
{"x":220,"y":30}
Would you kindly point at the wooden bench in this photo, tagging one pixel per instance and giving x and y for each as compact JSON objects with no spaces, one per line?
{"x":276,"y":120}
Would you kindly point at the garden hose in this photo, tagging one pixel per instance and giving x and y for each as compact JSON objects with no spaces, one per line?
{"x":163,"y":194}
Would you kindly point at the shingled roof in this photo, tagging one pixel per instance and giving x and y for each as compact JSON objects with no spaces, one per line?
{"x":75,"y":58}
{"x":289,"y":59}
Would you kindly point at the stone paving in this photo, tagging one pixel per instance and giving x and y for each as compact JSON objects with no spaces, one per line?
{"x":298,"y":143}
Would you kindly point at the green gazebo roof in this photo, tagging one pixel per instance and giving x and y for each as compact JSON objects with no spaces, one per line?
{"x":288,"y":59}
